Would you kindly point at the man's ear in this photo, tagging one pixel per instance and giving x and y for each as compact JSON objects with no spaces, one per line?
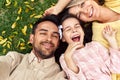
{"x":31,"y":38}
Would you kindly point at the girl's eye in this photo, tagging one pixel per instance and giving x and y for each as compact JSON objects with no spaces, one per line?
{"x":67,"y":29}
{"x":77,"y":26}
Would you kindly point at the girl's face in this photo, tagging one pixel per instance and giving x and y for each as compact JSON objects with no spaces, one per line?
{"x":72,"y":31}
{"x":86,"y":11}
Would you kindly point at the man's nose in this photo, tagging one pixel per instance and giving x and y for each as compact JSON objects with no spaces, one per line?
{"x":49,"y":37}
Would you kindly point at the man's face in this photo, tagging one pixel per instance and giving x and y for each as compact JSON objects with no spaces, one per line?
{"x":45,"y":40}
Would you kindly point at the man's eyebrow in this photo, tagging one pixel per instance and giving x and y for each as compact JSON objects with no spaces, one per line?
{"x":56,"y":33}
{"x":43,"y":30}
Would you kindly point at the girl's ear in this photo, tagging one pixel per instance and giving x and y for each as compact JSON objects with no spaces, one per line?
{"x":31,"y":38}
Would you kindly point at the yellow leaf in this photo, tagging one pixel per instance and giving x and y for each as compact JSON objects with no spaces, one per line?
{"x":20,"y":10}
{"x":15,"y":32}
{"x":26,"y":2}
{"x":31,"y":26}
{"x":8,"y":2}
{"x":3,"y":41}
{"x":27,"y":10}
{"x":17,"y":18}
{"x":11,"y":37}
{"x":32,"y":15}
{"x":15,"y":4}
{"x":13,"y":25}
{"x":3,"y":32}
{"x":24,"y":30}
{"x":8,"y":45}
{"x":4,"y":51}
{"x":38,"y":16}
{"x":32,"y":0}
{"x":22,"y":48}
{"x":22,"y":44}
{"x":1,"y":38}
{"x":18,"y":44}
{"x":9,"y":42}
{"x":53,"y":4}
{"x":28,"y":42}
{"x":29,"y":7}
{"x":4,"y":44}
{"x":21,"y":39}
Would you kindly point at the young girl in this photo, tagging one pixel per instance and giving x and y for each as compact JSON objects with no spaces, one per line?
{"x":92,"y":61}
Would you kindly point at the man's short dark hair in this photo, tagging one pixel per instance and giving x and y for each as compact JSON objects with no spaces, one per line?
{"x":52,"y":18}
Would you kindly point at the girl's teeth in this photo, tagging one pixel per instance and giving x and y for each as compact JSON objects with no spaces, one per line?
{"x":91,"y":12}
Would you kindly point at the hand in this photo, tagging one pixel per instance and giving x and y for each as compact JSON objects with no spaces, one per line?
{"x":72,"y":47}
{"x":110,"y":35}
{"x":68,"y":56}
{"x":51,"y":10}
{"x":59,"y":7}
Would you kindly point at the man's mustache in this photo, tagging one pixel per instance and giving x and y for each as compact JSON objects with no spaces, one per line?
{"x":48,"y":42}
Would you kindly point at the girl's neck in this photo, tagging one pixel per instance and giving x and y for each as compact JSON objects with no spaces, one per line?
{"x":107,"y":15}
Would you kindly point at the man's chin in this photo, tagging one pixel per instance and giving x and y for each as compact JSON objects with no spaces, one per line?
{"x":46,"y":56}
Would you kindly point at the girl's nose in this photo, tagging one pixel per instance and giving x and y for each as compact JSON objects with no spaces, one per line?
{"x":74,"y":30}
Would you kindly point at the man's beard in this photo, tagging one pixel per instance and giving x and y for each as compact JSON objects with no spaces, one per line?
{"x":41,"y":53}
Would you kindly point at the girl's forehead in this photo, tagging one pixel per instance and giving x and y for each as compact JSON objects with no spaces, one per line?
{"x":70,"y":20}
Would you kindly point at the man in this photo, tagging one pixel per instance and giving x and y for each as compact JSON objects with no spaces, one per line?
{"x":40,"y":63}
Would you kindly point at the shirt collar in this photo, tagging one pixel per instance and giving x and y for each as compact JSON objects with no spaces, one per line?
{"x":49,"y":61}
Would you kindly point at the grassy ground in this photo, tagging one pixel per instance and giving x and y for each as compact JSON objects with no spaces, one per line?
{"x":16,"y":19}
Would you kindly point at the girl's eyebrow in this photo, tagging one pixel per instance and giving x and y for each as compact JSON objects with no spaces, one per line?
{"x":77,"y":24}
{"x":66,"y":27}
{"x":69,"y":26}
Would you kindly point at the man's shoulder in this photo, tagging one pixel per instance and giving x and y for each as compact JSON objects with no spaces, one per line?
{"x":14,"y":53}
{"x":16,"y":56}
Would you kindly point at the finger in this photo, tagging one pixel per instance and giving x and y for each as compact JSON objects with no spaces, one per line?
{"x":75,"y":45}
{"x":79,"y":45}
{"x":114,"y":31}
{"x":105,"y":30}
{"x":108,"y":28}
{"x":45,"y":13}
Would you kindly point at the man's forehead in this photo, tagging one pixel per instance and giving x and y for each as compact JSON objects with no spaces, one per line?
{"x":48,"y":26}
{"x":47,"y":23}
